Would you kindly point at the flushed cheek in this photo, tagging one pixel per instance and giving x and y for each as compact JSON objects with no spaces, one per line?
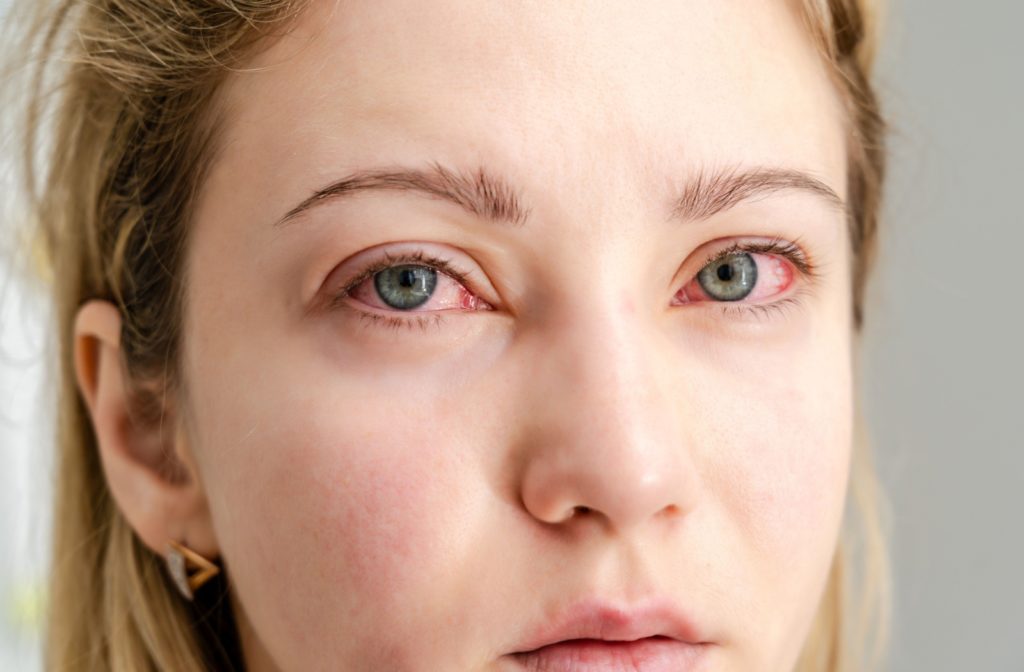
{"x":379,"y":513}
{"x":367,"y":512}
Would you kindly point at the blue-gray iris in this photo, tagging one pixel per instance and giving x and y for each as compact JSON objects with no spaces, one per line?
{"x":407,"y":286}
{"x":730,"y":278}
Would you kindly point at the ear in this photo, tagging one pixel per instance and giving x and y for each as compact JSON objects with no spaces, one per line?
{"x":145,"y":456}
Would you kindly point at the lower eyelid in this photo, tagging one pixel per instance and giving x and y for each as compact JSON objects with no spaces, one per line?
{"x":764,"y":311}
{"x":371,"y":319}
{"x":421,"y":321}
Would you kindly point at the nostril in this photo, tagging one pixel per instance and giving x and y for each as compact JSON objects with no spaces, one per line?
{"x":672,"y":511}
{"x":581,"y":510}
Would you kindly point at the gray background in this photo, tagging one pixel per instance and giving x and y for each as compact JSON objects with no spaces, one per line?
{"x":942,"y":360}
{"x":944,"y":363}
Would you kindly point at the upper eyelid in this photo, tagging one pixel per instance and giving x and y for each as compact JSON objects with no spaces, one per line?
{"x":416,"y":257}
{"x":791,"y":250}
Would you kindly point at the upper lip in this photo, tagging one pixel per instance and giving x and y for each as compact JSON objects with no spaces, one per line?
{"x":610,"y":621}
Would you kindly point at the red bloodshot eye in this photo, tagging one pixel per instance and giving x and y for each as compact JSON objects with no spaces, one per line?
{"x":750,"y":277}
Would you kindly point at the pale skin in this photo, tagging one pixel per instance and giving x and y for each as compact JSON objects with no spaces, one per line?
{"x":417,"y":499}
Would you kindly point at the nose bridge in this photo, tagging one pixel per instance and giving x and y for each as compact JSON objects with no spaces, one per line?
{"x":607,"y":439}
{"x":608,"y":375}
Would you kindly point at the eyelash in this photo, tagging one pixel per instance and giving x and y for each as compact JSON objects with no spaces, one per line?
{"x":791,"y":251}
{"x":387,"y":321}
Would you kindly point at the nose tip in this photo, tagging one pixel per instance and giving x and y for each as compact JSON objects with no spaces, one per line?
{"x":620,"y":495}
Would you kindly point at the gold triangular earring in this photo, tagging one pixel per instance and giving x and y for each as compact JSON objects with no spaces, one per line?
{"x":179,"y":560}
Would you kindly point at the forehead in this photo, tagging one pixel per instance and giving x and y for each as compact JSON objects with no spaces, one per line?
{"x":595,"y":95}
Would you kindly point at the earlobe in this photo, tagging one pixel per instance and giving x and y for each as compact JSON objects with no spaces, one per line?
{"x":146,"y":463}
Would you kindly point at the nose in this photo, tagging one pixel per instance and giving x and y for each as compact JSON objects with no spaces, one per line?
{"x":607,"y":437}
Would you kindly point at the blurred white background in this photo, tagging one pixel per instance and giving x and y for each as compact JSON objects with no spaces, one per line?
{"x":26,"y":435}
{"x":943,"y":354}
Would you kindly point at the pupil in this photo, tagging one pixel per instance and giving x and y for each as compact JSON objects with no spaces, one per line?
{"x":405,"y":287}
{"x":725,"y":272}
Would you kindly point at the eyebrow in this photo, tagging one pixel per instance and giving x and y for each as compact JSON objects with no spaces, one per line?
{"x":492,"y":198}
{"x":711,"y":192}
{"x":478,"y":192}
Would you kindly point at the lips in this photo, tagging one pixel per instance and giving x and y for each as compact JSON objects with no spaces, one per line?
{"x":599,"y":636}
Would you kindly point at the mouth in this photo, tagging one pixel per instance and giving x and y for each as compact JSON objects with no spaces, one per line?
{"x":595,"y":636}
{"x":648,"y":654}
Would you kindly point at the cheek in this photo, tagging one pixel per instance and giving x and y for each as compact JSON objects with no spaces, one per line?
{"x":795,"y":470}
{"x":783,"y":407}
{"x":374,"y":504}
{"x":779,"y":475}
{"x":335,"y":509}
{"x":795,"y":477}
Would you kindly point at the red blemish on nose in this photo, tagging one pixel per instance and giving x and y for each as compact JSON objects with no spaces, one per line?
{"x":627,"y":306}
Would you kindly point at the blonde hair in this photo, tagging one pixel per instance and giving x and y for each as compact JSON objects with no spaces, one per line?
{"x":128,"y":134}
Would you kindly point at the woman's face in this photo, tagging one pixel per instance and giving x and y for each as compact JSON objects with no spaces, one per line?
{"x":600,"y":385}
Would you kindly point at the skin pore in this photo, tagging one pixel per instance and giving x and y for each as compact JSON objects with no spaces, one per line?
{"x":576,"y":417}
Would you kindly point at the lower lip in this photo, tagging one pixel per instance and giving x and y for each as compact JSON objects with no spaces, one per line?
{"x":652,"y":654}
